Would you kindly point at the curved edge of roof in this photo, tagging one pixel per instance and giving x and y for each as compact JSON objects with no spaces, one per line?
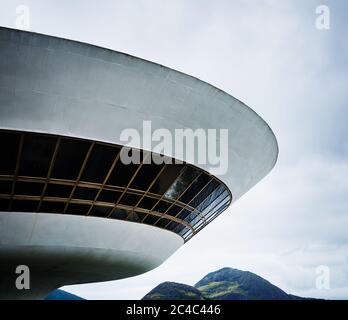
{"x":160,"y":66}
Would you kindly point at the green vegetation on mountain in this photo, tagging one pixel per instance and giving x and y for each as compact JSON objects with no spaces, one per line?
{"x":224,"y":284}
{"x":174,"y":291}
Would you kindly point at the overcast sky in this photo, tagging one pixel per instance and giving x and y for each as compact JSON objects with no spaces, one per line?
{"x":270,"y":55}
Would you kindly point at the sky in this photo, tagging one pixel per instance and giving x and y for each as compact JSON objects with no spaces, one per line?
{"x":270,"y":55}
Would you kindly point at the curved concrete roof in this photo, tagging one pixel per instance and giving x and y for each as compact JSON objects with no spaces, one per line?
{"x":64,"y":87}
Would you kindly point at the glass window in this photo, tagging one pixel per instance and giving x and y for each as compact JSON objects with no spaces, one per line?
{"x":24,"y":206}
{"x":99,"y":163}
{"x":130,"y":199}
{"x":36,"y":155}
{"x":182,"y":182}
{"x":211,"y":198}
{"x":58,"y":190}
{"x":162,"y":206}
{"x":184,"y":214}
{"x":52,"y":207}
{"x":146,"y":176}
{"x":182,"y":230}
{"x":186,"y":233}
{"x":119,"y":214}
{"x":4,"y":204}
{"x":208,"y":190}
{"x":122,"y":174}
{"x":77,"y":209}
{"x":28,"y":188}
{"x":6,"y":187}
{"x":151,"y":219}
{"x":148,"y":203}
{"x":217,"y":201}
{"x":215,"y":209}
{"x":172,"y":225}
{"x":167,"y":178}
{"x":100,"y":211}
{"x":9,"y":145}
{"x":195,"y":188}
{"x":85,"y":193}
{"x":136,"y":216}
{"x":162,"y":222}
{"x":69,"y":160}
{"x":174,"y":210}
{"x":179,"y":228}
{"x":109,"y":196}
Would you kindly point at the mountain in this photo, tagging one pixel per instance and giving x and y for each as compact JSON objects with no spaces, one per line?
{"x":62,"y":295}
{"x":233,"y":284}
{"x":174,"y":291}
{"x":224,"y":284}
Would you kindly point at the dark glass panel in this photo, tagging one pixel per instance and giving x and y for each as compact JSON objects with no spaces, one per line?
{"x":184,"y":214}
{"x":208,"y":190}
{"x":195,"y":188}
{"x":224,"y":195}
{"x":70,"y":157}
{"x":162,"y":222}
{"x":174,"y":210}
{"x":193,"y":217}
{"x":119,"y":214}
{"x":29,"y":188}
{"x":100,"y":211}
{"x":85,"y":193}
{"x":141,"y":215}
{"x":217,"y":206}
{"x":130,"y":199}
{"x":162,"y":206}
{"x":6,"y":187}
{"x":52,"y":207}
{"x":24,"y":205}
{"x":197,"y":220}
{"x":58,"y":190}
{"x":151,"y":219}
{"x":186,"y":232}
{"x":99,"y":163}
{"x":197,"y":224}
{"x":166,"y":179}
{"x":9,"y":145}
{"x":36,"y":155}
{"x":4,"y":204}
{"x":172,"y":225}
{"x":78,"y":209}
{"x":181,"y":230}
{"x":182,"y":182}
{"x":109,"y":196}
{"x":211,"y":198}
{"x":148,"y":203}
{"x":122,"y":174}
{"x":136,"y":216}
{"x":146,"y":176}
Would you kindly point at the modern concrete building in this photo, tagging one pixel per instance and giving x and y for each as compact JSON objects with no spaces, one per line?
{"x":70,"y":210}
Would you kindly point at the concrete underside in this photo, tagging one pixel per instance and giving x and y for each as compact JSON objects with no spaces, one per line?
{"x":63,"y":250}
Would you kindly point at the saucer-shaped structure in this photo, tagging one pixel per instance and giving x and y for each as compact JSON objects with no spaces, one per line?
{"x":70,"y":209}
